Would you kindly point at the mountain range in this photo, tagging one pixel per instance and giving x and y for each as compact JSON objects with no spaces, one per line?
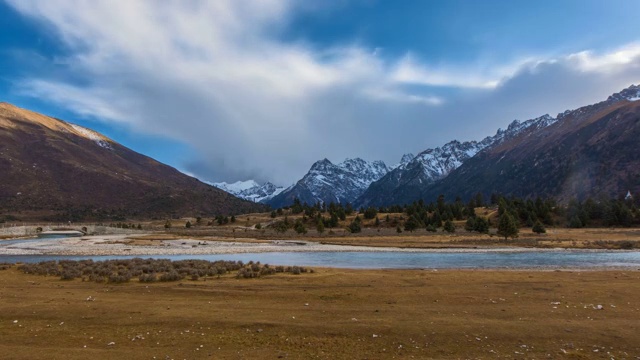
{"x":564,"y":156}
{"x":588,"y":152}
{"x":65,"y":171}
{"x":54,"y":167}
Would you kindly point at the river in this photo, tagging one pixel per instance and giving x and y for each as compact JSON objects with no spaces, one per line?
{"x":544,"y":259}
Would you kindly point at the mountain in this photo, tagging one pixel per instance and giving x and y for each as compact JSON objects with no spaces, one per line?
{"x":591,"y":151}
{"x":327,"y":182}
{"x":251,"y":190}
{"x":402,"y":184}
{"x":67,"y":171}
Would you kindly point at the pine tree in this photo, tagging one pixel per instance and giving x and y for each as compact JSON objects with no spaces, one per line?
{"x":449,"y":227}
{"x":538,"y":228}
{"x":320,"y":225}
{"x":481,"y":225}
{"x":471,"y":224}
{"x":507,"y":226}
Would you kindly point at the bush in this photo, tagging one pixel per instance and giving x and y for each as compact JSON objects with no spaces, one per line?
{"x":171,"y":276}
{"x":147,"y":278}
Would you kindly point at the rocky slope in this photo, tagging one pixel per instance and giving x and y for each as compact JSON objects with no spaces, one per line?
{"x":70,"y":172}
{"x":327,"y":182}
{"x":405,"y":182}
{"x":591,"y":151}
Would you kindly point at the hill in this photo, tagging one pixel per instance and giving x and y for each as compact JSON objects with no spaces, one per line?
{"x":69,"y":172}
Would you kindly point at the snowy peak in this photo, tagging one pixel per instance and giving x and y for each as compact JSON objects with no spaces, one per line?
{"x":516,"y":128}
{"x":364,"y":172}
{"x":632,"y":93}
{"x":322,"y":165}
{"x":439,"y":162}
{"x":327,"y":182}
{"x":250,"y":190}
{"x":237,"y":186}
{"x":406,"y":158}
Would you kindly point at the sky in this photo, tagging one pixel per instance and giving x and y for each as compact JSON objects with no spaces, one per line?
{"x":229,"y":90}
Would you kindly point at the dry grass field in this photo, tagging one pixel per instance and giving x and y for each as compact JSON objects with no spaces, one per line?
{"x":330,"y":314}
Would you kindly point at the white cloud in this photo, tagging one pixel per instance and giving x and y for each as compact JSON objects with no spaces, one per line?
{"x":216,"y":75}
{"x":613,"y":61}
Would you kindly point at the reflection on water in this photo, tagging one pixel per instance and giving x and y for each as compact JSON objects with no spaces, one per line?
{"x":403,"y":260}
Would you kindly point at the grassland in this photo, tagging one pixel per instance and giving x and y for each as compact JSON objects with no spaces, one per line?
{"x":330,"y":314}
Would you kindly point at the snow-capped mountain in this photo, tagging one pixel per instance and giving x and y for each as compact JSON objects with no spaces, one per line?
{"x":401,"y":183}
{"x":406,"y":183}
{"x":406,"y":158}
{"x":327,"y":182}
{"x":587,"y":152}
{"x":251,"y":190}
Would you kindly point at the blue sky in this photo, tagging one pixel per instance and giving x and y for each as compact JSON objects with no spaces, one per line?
{"x":239,"y":89}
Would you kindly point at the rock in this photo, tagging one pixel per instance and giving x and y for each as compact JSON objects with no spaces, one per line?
{"x":111,"y":343}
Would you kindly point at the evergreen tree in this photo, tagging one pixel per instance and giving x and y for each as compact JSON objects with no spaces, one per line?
{"x":188,"y":224}
{"x":471,"y":224}
{"x":411,"y":224}
{"x":449,"y":227}
{"x":481,"y":225}
{"x":538,"y":228}
{"x":320,"y":226}
{"x":370,"y":213}
{"x":507,"y":226}
{"x":299,"y":227}
{"x":355,"y":226}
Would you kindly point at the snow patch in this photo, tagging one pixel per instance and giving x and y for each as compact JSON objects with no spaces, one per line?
{"x":92,"y":135}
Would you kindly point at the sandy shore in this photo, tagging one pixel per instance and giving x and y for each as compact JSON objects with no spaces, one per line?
{"x":124,"y":245}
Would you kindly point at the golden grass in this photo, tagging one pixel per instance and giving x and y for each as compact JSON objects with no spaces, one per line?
{"x":332,"y":314}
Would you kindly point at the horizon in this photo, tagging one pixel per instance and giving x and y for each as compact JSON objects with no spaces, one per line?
{"x":235,"y":91}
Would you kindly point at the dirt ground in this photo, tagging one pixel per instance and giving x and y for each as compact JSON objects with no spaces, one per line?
{"x":330,"y":314}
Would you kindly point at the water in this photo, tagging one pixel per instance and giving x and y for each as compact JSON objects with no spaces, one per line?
{"x":403,"y":260}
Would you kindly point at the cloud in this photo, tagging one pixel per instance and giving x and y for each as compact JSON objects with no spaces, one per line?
{"x":219,"y":76}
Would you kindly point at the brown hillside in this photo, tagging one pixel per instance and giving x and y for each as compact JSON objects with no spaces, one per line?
{"x":49,"y":164}
{"x":590,"y":152}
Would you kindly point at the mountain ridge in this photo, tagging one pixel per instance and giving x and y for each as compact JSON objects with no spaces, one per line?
{"x":326,"y":182}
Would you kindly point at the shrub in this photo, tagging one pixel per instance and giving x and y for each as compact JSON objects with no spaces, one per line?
{"x":147,"y":278}
{"x":171,"y":276}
